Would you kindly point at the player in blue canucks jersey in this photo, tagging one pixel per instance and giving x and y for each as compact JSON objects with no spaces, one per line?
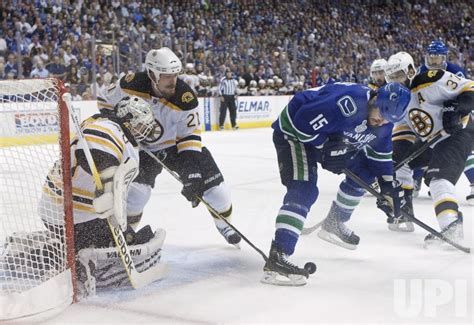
{"x":340,"y":125}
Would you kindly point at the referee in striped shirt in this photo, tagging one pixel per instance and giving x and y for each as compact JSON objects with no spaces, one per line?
{"x":227,"y":89}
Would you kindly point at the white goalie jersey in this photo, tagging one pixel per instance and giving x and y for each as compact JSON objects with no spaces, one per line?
{"x":178,"y":120}
{"x":106,"y":140}
{"x":429,"y":91}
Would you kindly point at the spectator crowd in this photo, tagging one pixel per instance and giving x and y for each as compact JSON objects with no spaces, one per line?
{"x":271,"y":47}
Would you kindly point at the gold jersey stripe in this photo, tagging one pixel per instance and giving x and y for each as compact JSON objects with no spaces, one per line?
{"x":107,"y":131}
{"x":84,"y":193}
{"x":81,"y":207}
{"x":188,"y":144}
{"x":421,"y":86}
{"x":410,"y":138}
{"x":136,"y":93}
{"x":169,"y":105}
{"x":105,"y":143}
{"x":402,"y":127}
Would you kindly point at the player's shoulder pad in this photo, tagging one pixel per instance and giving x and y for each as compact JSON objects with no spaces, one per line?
{"x":136,"y":83}
{"x":184,"y":98}
{"x":425,"y":78}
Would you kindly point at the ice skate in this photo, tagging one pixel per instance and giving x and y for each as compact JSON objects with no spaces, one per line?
{"x":402,"y":224}
{"x":336,"y":232}
{"x":229,"y":235}
{"x":279,"y":271}
{"x":454,"y":232}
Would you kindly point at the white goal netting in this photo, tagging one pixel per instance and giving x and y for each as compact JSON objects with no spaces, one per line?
{"x":33,"y":255}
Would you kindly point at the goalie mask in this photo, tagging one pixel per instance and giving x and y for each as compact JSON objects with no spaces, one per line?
{"x":400,"y":68}
{"x":135,"y":113}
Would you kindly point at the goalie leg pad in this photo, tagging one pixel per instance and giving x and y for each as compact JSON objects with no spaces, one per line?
{"x":138,"y":196}
{"x":108,"y":270}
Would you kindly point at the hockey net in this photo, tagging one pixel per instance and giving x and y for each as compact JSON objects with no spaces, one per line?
{"x":36,"y":262}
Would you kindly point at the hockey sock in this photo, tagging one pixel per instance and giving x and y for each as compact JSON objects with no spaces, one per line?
{"x":469,"y":169}
{"x":418,"y":173}
{"x":289,"y":223}
{"x":226,"y":214}
{"x":444,"y":197}
{"x":405,"y":176}
{"x":348,"y":198}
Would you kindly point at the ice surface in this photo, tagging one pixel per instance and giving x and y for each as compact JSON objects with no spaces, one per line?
{"x":213,"y":282}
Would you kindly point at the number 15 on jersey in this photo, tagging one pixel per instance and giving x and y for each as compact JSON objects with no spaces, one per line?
{"x":318,"y":122}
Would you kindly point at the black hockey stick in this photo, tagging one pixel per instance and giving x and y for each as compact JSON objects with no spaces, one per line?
{"x":420,"y":150}
{"x":307,"y":268}
{"x":379,"y":196}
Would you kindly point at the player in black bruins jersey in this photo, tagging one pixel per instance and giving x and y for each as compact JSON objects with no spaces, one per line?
{"x":176,"y":140}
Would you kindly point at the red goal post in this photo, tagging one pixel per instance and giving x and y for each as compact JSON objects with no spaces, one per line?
{"x":37,"y":264}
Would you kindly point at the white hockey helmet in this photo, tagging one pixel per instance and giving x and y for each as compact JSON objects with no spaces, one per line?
{"x":377,"y":65}
{"x":162,"y":61}
{"x":241,"y":82}
{"x":262,"y":83}
{"x":271,"y":82}
{"x":253,"y":83}
{"x":399,"y":67}
{"x":135,"y":113}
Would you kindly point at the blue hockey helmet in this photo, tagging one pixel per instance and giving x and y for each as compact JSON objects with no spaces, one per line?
{"x":436,"y":55}
{"x":437,"y":47}
{"x":392,"y":100}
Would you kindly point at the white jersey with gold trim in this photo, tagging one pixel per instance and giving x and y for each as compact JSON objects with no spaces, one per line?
{"x":108,"y":138}
{"x":178,"y":118}
{"x":429,"y":91}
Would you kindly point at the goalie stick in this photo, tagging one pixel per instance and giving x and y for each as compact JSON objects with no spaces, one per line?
{"x":309,"y":267}
{"x":379,"y":196}
{"x":137,"y":279}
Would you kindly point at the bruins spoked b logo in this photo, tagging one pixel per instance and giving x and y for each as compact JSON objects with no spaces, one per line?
{"x":156,"y":134}
{"x":421,"y":121}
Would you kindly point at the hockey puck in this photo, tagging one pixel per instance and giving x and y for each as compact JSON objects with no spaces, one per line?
{"x":310,"y":267}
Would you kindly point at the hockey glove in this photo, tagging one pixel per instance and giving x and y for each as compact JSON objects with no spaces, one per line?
{"x":193,"y":187}
{"x":451,"y":117}
{"x":394,"y":201}
{"x":193,"y":182}
{"x":335,"y":155}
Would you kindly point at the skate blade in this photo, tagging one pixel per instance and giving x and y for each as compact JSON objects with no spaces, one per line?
{"x":402,"y":227}
{"x":441,"y":244}
{"x":470,"y":202}
{"x":237,"y":246}
{"x":333,"y":239}
{"x":275,"y":278}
